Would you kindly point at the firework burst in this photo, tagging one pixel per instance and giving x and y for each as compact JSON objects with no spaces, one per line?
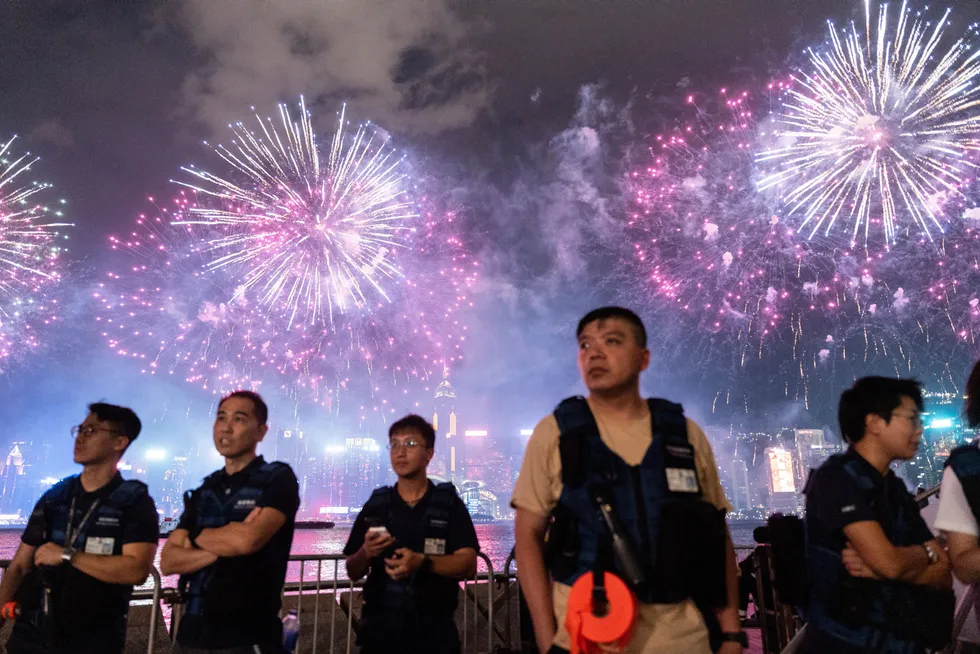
{"x":30,"y":254}
{"x":740,"y":291}
{"x":359,"y":297}
{"x":309,"y":236}
{"x":882,"y":129}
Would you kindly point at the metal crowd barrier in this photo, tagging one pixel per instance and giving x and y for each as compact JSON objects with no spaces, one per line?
{"x":141,"y":621}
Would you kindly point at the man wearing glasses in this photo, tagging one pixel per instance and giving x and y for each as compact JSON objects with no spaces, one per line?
{"x":879,"y":582}
{"x":89,"y":540}
{"x":414,"y":541}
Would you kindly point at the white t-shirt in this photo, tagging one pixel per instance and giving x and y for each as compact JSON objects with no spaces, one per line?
{"x":954,"y":511}
{"x":954,"y":514}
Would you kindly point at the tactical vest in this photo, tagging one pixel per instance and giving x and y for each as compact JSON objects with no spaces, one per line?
{"x":680,"y":539}
{"x":881,"y":616}
{"x":212,"y":592}
{"x":72,"y":608}
{"x":965,"y":462}
{"x":398,"y":603}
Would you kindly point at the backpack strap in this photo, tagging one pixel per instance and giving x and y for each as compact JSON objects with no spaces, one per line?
{"x":576,"y":426}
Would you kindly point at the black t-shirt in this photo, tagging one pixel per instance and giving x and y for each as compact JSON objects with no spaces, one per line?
{"x":104,"y":604}
{"x":402,"y":522}
{"x":834,"y":500}
{"x":255,"y":579}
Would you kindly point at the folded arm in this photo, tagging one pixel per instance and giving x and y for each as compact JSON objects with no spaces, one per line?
{"x":910,"y":563}
{"x":178,"y":558}
{"x":243,"y":538}
{"x":131,"y":568}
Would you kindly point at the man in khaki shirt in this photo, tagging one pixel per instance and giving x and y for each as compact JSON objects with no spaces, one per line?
{"x":612,"y":354}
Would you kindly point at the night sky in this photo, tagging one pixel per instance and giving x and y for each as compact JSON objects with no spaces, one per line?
{"x":116,"y":96}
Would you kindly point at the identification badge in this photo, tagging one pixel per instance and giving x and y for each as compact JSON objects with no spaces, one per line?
{"x":435,"y":546}
{"x":682,"y":480}
{"x":100,"y":546}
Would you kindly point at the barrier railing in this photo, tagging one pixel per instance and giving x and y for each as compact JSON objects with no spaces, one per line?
{"x":136,"y":611}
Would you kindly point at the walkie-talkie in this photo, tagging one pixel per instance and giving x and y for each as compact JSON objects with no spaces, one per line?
{"x":623,"y":548}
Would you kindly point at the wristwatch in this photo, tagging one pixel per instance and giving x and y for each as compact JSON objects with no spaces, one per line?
{"x":930,"y":554}
{"x":735,"y":637}
{"x":67,"y":554}
{"x":426,"y":566}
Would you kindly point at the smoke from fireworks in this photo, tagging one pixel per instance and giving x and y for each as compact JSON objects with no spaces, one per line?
{"x":314,"y":273}
{"x":30,"y":263}
{"x":882,"y":128}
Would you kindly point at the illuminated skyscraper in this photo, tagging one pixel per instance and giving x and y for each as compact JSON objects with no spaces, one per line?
{"x":444,"y":464}
{"x":171,"y":498}
{"x":741,"y":499}
{"x":783,"y":495}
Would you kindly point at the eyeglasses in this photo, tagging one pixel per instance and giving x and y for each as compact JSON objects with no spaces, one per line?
{"x":408,"y":445}
{"x":915,"y":419}
{"x":88,"y":431}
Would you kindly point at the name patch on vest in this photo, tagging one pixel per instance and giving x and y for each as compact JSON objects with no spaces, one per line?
{"x":682,"y":480}
{"x":245,"y":503}
{"x":107,"y":521}
{"x":100,"y":546}
{"x":434,"y":546}
{"x":680,"y":451}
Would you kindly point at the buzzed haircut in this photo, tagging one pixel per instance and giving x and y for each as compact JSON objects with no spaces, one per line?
{"x":261,"y":410}
{"x":878,"y":396}
{"x":605,"y":313}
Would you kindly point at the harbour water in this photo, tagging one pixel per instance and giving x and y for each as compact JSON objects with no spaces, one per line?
{"x":496,"y":541}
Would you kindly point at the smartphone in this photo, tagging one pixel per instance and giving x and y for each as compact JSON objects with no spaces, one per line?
{"x":378,"y":530}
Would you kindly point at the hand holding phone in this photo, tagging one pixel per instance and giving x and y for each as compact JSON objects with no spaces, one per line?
{"x":376,"y":541}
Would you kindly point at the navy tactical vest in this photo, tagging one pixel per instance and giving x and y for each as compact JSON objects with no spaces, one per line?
{"x":199,"y":589}
{"x":882,"y":616}
{"x":680,"y":539}
{"x":73,"y":612}
{"x":399,"y":602}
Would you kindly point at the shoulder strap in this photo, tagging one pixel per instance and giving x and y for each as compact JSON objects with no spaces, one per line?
{"x":127,"y":493}
{"x":851,"y":468}
{"x":668,"y":424}
{"x":444,"y":496}
{"x":667,"y":420}
{"x":576,"y":425}
{"x":61,"y":490}
{"x":379,"y":502}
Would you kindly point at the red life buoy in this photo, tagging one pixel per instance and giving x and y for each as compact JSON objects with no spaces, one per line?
{"x":588,"y":630}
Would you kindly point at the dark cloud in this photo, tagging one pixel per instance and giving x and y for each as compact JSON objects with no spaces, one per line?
{"x":405,"y":65}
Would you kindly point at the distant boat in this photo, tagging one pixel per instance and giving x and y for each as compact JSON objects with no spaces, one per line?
{"x":315,"y":524}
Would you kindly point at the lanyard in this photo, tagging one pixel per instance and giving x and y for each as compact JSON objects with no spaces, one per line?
{"x":70,"y":537}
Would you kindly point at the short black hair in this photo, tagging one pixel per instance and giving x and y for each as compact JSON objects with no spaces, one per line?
{"x":605,"y":313}
{"x":973,"y":397}
{"x":123,"y":419}
{"x":878,"y":396}
{"x":412,"y":422}
{"x":261,"y":410}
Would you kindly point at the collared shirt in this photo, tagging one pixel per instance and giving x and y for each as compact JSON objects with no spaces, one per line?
{"x":258,"y":577}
